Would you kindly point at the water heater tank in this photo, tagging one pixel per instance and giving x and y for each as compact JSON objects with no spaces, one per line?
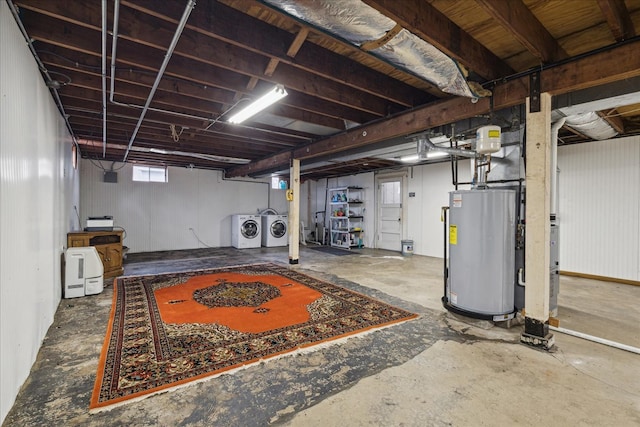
{"x":488,"y":139}
{"x":482,"y":229}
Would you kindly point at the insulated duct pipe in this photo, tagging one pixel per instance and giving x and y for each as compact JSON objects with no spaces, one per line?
{"x":163,"y":67}
{"x":423,"y":139}
{"x":554,"y":165}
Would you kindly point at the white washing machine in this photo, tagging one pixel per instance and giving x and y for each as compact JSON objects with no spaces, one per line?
{"x":274,"y":230}
{"x":245,"y":231}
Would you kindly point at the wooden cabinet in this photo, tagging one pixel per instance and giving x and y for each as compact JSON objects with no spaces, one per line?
{"x":107,"y":243}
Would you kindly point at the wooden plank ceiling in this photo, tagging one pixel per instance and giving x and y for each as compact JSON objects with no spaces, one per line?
{"x":340,"y":97}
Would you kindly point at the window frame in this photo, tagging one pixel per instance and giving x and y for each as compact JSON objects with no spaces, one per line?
{"x":138,"y":171}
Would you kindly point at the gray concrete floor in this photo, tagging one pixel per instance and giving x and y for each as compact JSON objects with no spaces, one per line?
{"x":437,"y":370}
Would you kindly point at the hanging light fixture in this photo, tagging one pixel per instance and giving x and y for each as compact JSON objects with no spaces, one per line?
{"x":274,"y":95}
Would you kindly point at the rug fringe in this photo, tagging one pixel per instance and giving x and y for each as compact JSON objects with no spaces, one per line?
{"x":298,"y":351}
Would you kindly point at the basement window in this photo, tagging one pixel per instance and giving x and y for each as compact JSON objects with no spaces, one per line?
{"x":150,"y":174}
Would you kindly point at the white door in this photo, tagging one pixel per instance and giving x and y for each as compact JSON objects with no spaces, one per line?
{"x":389,"y":214}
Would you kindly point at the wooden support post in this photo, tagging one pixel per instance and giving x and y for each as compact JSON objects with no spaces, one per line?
{"x":538,"y":206}
{"x":294,"y":212}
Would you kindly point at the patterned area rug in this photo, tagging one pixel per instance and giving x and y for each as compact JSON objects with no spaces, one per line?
{"x":169,"y":330}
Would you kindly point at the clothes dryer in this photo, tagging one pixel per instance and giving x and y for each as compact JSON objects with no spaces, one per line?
{"x":245,"y":231}
{"x":274,"y":230}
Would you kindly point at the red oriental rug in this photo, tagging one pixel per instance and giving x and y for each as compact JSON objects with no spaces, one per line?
{"x":168,"y":330}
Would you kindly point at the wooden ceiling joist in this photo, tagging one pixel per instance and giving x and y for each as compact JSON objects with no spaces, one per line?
{"x":525,"y":27}
{"x":604,"y":67}
{"x":618,"y":18}
{"x":232,"y":51}
{"x":148,"y":43}
{"x":424,"y":20}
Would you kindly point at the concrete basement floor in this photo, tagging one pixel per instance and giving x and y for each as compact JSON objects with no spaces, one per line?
{"x":437,"y":370}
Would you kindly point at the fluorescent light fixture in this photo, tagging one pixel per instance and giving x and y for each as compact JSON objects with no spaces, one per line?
{"x":274,"y":95}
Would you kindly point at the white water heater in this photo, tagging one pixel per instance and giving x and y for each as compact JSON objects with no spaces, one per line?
{"x":83,"y":272}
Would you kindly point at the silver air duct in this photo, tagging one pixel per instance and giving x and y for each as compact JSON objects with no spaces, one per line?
{"x":370,"y":30}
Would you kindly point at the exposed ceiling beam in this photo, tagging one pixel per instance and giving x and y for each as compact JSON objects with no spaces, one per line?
{"x":138,"y":77}
{"x":618,"y":18}
{"x":618,"y":63}
{"x":292,"y":51}
{"x":526,"y":28}
{"x":231,"y":25}
{"x":297,"y":42}
{"x":428,"y":23}
{"x":614,"y":120}
{"x":191,"y":73}
{"x":146,"y":42}
{"x":222,"y":23}
{"x":87,"y":103}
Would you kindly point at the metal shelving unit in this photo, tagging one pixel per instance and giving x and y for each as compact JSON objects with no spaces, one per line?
{"x":346,"y":217}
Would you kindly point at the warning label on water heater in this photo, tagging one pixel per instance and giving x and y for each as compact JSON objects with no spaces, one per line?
{"x":457,"y":200}
{"x":453,"y":234}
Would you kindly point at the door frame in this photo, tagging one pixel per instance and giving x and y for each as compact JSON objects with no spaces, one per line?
{"x":402,"y":177}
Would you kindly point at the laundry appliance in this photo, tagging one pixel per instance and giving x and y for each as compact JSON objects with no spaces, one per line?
{"x":274,"y":230}
{"x":245,"y":231}
{"x":83,"y":272}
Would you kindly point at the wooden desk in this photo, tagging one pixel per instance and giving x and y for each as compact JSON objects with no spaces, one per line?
{"x":107,"y":243}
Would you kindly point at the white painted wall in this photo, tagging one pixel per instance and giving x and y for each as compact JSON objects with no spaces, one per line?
{"x":599,"y":208}
{"x":158,"y":216}
{"x":38,"y":188}
{"x":431,"y":185}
